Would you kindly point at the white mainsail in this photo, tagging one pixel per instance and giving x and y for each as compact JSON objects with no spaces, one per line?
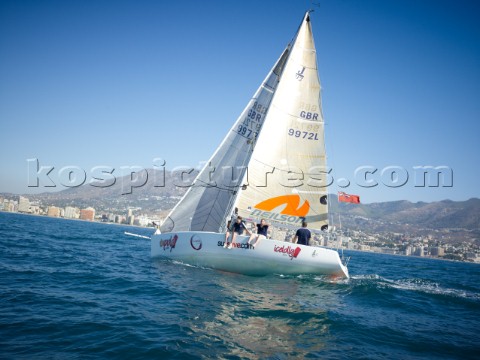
{"x":276,"y":148}
{"x":209,"y":200}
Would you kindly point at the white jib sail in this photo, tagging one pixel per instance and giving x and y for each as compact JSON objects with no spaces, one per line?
{"x":286,"y":178}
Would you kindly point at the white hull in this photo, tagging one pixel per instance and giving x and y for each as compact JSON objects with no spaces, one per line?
{"x":206,"y":249}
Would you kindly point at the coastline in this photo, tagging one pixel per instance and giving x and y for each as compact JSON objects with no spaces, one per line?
{"x":149,"y":227}
{"x":86,"y":221}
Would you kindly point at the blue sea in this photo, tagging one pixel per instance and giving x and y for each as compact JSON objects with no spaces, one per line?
{"x":79,"y":290}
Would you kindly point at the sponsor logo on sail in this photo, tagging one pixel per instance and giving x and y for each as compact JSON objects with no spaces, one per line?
{"x":299,"y":75}
{"x":169,"y":243}
{"x":288,"y":250}
{"x":196,"y":242}
{"x":291,"y":212}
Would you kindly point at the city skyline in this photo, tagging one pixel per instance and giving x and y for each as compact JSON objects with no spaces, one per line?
{"x":90,"y":85}
{"x":448,"y":243}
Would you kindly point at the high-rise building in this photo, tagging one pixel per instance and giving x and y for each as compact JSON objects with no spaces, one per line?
{"x":130,"y":217}
{"x":35,"y":209}
{"x":143,"y":220}
{"x":72,"y":212}
{"x":23,"y":204}
{"x":344,"y":240}
{"x":87,"y":214}
{"x":9,"y":205}
{"x":418,"y":251}
{"x":53,"y":211}
{"x":437,"y":251}
{"x":408,"y":250}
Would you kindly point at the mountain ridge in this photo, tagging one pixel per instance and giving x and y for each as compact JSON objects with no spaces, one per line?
{"x":158,"y":192}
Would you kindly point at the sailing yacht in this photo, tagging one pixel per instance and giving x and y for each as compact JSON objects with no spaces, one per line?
{"x":271,"y":165}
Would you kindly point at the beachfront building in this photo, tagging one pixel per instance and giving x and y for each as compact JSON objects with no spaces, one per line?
{"x":87,"y":214}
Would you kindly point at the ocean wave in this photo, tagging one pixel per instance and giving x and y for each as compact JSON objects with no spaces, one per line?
{"x":88,"y":292}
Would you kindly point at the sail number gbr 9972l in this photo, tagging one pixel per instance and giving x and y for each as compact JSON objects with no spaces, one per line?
{"x":252,"y":123}
{"x":306,"y":126}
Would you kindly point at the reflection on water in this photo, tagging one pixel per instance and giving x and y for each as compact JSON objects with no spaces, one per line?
{"x":78,"y":290}
{"x":252,"y":316}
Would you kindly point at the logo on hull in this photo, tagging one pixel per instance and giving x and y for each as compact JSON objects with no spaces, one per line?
{"x":236,"y":245}
{"x":169,"y":243}
{"x":196,"y":242}
{"x":289,"y":250}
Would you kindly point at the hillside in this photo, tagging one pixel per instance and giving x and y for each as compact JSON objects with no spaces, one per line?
{"x":435,"y":215}
{"x":160,"y":193}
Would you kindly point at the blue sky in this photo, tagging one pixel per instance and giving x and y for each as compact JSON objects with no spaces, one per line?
{"x":90,"y":83}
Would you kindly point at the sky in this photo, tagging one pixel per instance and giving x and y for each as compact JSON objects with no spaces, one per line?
{"x":122,"y":83}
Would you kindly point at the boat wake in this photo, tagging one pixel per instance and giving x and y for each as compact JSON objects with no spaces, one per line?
{"x":412,"y":284}
{"x":369,"y":283}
